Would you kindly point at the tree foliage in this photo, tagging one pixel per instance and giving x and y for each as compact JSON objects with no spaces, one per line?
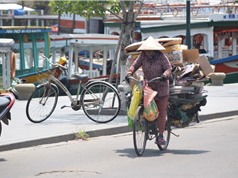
{"x":86,"y":8}
{"x":126,"y":11}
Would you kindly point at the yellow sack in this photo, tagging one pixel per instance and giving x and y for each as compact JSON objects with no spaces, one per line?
{"x":135,"y":100}
{"x":151,"y":112}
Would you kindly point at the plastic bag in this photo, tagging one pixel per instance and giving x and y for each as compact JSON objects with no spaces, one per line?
{"x":135,"y":101}
{"x":149,"y":95}
{"x":151,"y":112}
{"x":130,"y":122}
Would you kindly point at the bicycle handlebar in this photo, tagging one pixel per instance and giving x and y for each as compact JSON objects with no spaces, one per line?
{"x":147,"y":81}
{"x":54,"y":64}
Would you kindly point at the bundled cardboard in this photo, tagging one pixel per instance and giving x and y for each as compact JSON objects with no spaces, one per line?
{"x":174,"y":53}
{"x":190,"y":55}
{"x":205,"y":65}
{"x":175,"y":57}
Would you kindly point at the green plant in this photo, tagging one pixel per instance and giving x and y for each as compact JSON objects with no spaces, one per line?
{"x":81,"y":135}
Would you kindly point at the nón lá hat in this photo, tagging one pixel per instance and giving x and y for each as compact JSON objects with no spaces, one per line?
{"x":150,"y":44}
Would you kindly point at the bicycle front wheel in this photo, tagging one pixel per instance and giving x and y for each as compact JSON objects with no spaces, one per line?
{"x":166,"y":135}
{"x":42,"y":103}
{"x":0,"y":128}
{"x":140,"y":132}
{"x":100,"y":102}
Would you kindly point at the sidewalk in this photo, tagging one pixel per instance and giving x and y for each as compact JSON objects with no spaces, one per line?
{"x":222,"y":101}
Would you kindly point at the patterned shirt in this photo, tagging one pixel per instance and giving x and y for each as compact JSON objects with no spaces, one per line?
{"x":154,"y":66}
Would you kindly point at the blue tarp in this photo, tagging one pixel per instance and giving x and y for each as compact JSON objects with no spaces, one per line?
{"x":19,"y":12}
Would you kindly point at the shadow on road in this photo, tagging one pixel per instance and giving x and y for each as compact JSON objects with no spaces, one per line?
{"x":130,"y":153}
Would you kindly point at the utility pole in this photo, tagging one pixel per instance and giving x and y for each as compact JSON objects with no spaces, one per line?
{"x":188,"y":33}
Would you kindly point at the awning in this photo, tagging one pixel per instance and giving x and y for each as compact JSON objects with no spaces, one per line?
{"x":14,"y":7}
{"x":226,"y":30}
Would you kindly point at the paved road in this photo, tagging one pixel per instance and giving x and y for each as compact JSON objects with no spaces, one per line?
{"x":208,"y":149}
{"x":61,"y":126}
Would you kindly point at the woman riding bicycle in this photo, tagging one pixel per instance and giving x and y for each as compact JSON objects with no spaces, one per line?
{"x":155,"y":64}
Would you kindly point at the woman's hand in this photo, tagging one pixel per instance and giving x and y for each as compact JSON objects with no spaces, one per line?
{"x":127,"y":77}
{"x":163,"y":78}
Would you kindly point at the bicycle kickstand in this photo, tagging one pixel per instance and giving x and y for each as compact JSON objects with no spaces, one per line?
{"x":174,"y":134}
{"x":62,"y":107}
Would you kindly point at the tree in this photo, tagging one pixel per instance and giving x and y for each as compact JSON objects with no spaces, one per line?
{"x":126,"y":11}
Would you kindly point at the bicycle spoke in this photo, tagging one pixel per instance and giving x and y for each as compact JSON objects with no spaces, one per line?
{"x":101,"y":102}
{"x":139,"y":132}
{"x":41,"y":104}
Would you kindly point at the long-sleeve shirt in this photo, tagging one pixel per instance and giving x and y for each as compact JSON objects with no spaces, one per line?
{"x":152,"y":67}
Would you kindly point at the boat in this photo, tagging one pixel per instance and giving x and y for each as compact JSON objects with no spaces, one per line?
{"x":213,"y":34}
{"x":80,"y":50}
{"x":229,"y":66}
{"x":207,"y":33}
{"x":31,"y":42}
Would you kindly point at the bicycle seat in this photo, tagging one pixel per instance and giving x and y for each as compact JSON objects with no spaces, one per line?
{"x":80,"y":76}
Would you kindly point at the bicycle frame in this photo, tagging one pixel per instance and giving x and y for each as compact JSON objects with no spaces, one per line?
{"x":74,"y":101}
{"x":58,"y":83}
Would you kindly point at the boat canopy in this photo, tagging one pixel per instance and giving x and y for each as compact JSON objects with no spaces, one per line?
{"x":13,"y":6}
{"x":77,"y":43}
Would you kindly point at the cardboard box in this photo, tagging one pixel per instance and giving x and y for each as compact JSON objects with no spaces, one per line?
{"x":175,"y":57}
{"x":197,"y":72}
{"x":205,"y":65}
{"x":190,"y":55}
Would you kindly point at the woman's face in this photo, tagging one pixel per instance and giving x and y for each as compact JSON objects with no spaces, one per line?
{"x":148,"y":53}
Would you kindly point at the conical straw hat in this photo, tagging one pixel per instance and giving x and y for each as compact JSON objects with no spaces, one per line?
{"x":150,"y":44}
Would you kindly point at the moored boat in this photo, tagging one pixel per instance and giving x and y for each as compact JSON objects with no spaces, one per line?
{"x":229,"y":66}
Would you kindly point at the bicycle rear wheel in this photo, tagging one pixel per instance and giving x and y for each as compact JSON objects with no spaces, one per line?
{"x":42,"y":103}
{"x":100,"y":102}
{"x":140,"y":132}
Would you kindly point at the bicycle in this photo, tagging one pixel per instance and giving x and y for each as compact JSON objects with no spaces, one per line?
{"x":182,"y":110}
{"x":143,"y":129}
{"x":99,"y":99}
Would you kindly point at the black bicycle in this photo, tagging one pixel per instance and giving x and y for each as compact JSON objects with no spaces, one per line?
{"x":183,"y":107}
{"x":144,"y":129}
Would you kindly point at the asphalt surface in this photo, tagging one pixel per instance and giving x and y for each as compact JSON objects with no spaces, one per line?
{"x":222,"y":101}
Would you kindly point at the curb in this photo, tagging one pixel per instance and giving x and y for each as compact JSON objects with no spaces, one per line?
{"x":64,"y":138}
{"x":97,"y":133}
{"x":218,"y":115}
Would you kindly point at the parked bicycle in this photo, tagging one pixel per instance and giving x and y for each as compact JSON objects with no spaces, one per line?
{"x":182,"y":109}
{"x":99,"y":99}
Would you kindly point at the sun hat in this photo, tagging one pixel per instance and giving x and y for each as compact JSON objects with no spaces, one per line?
{"x":150,"y":44}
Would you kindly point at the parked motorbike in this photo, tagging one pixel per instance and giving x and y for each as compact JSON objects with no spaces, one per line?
{"x":6,"y":102}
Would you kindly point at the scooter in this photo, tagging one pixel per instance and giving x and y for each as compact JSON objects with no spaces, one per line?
{"x":6,"y":102}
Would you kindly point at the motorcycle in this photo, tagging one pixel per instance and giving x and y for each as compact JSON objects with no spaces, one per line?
{"x":6,"y":102}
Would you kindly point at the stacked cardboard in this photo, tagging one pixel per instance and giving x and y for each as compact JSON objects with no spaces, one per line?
{"x":189,"y":60}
